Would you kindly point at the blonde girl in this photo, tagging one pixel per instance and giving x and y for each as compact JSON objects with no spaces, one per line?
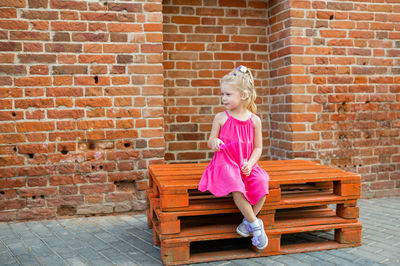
{"x":236,"y":139}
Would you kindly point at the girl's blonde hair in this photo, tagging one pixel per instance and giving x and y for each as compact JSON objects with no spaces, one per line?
{"x":243,"y":79}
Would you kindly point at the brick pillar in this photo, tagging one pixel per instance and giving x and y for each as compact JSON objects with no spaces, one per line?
{"x":335,"y":87}
{"x":81,"y":106}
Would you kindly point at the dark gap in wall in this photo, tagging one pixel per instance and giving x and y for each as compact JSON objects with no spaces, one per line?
{"x":91,"y":146}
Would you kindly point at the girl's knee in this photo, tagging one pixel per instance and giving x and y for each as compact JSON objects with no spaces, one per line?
{"x":236,"y":194}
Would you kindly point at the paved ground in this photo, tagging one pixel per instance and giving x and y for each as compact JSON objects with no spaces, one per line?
{"x":125,"y":240}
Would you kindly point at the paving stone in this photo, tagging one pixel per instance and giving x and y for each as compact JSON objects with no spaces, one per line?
{"x":6,"y":258}
{"x":52,"y":261}
{"x":116,"y":257}
{"x":41,"y":251}
{"x":267,"y":261}
{"x":289,"y":260}
{"x":18,"y":249}
{"x":76,"y":261}
{"x":27,"y":259}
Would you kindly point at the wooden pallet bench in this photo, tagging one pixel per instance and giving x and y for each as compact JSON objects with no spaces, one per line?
{"x":179,"y":213}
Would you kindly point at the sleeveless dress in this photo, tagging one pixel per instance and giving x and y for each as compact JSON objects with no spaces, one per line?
{"x":223,"y":176}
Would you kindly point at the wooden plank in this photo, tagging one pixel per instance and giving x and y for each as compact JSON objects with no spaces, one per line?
{"x":170,"y":222}
{"x":185,"y":171}
{"x":285,"y":179}
{"x":203,"y":165}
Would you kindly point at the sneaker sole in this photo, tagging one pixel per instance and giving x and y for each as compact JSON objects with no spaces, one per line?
{"x":241,"y":233}
{"x":266,"y":244}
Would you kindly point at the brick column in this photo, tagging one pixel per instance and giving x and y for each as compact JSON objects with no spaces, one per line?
{"x":81,"y":106}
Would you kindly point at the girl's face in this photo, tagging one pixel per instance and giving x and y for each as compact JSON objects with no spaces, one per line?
{"x":231,"y":96}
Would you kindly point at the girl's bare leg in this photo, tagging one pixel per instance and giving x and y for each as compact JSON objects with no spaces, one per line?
{"x":257,"y":207}
{"x":244,"y":206}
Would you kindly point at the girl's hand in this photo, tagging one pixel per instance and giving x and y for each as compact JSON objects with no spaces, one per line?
{"x":246,"y":168}
{"x":216,"y":144}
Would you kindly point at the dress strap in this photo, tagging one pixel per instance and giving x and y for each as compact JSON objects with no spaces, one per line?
{"x":251,"y":117}
{"x":226,"y":112}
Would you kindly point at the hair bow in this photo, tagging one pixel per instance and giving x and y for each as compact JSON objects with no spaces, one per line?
{"x":242,"y":69}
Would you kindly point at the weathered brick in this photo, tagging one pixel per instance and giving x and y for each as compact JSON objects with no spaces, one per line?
{"x":66,"y":69}
{"x":65,"y":4}
{"x":36,"y":58}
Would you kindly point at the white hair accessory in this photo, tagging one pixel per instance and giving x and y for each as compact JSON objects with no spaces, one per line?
{"x":242,"y":69}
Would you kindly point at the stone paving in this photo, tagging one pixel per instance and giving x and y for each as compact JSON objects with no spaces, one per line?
{"x":126,"y":240}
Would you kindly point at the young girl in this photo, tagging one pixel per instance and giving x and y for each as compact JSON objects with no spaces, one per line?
{"x":236,"y":140}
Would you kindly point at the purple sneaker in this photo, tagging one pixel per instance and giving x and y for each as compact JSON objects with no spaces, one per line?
{"x":244,"y":228}
{"x":260,"y":241}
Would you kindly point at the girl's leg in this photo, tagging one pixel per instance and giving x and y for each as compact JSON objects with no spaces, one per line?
{"x":244,"y":206}
{"x":257,"y":207}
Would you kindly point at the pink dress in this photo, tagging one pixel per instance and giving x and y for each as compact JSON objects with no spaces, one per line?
{"x":223,"y":175}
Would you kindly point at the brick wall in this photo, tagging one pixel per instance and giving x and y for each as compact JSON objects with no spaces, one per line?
{"x":81,"y":106}
{"x":203,"y":41}
{"x":336,"y":88}
{"x":84,"y":105}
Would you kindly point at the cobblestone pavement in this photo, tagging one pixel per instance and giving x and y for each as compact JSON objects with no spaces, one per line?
{"x":126,"y":240}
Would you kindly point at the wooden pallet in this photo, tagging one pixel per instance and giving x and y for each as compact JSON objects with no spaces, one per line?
{"x":183,"y":218}
{"x":180,"y":248}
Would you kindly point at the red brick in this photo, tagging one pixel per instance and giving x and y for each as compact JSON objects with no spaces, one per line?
{"x":36,"y":103}
{"x":63,"y":47}
{"x":145,"y":69}
{"x":125,"y":27}
{"x":36,"y":213}
{"x":93,"y":80}
{"x":8,"y":13}
{"x":15,"y":3}
{"x":32,"y":81}
{"x":10,"y":46}
{"x":121,"y":48}
{"x":14,"y":24}
{"x":38,"y":3}
{"x":39,"y":70}
{"x":65,"y":4}
{"x":68,"y":26}
{"x":34,"y":126}
{"x":185,"y":20}
{"x":93,"y":189}
{"x":235,"y":47}
{"x":131,"y":175}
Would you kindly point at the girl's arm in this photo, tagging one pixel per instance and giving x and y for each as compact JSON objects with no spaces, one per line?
{"x":257,"y":149}
{"x":214,"y":142}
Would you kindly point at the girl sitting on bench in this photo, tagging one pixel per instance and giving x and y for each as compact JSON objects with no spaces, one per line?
{"x":236,"y":139}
